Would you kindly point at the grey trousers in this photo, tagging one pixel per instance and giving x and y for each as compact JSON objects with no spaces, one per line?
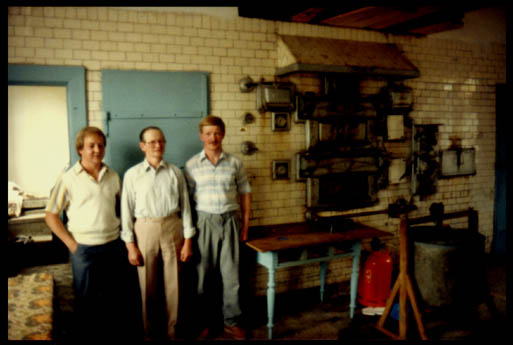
{"x":219,"y":250}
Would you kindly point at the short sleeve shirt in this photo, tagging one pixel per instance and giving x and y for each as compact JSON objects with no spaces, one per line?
{"x":215,"y":188}
{"x":90,"y":205}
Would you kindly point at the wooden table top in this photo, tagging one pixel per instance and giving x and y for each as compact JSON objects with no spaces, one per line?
{"x":297,"y":235}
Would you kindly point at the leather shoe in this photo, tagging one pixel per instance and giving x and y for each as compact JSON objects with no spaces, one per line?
{"x":235,"y":332}
{"x":205,"y":334}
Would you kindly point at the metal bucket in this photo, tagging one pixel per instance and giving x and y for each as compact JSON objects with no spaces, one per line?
{"x":445,"y":264}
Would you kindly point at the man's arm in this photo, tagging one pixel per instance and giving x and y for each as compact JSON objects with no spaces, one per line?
{"x":59,"y":198}
{"x":55,"y":224}
{"x":187,"y":224}
{"x":245,"y":205}
{"x":191,"y":185}
{"x":127,"y":224}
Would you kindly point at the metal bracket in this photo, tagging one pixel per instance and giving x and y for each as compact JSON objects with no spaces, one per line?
{"x":106,"y":120}
{"x":247,"y":84}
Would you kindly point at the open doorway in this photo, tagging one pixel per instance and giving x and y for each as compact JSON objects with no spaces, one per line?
{"x":31,"y":89}
{"x":38,"y":138}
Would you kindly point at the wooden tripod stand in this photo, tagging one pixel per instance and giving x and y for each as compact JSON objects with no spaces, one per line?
{"x":404,"y":286}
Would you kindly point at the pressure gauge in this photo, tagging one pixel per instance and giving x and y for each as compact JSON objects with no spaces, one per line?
{"x":281,"y":169}
{"x":280,"y":121}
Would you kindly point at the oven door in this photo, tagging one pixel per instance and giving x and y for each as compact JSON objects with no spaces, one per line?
{"x":342,"y":191}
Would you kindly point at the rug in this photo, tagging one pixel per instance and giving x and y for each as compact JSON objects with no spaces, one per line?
{"x":30,"y":307}
{"x":63,"y":297}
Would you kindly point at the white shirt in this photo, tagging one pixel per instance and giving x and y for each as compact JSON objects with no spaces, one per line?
{"x":150,"y":193}
{"x":89,"y":204}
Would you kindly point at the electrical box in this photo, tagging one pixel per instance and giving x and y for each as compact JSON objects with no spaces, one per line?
{"x":275,"y":97}
{"x":457,"y":162}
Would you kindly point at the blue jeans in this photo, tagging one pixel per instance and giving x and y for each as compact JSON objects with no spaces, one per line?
{"x":98,"y":275}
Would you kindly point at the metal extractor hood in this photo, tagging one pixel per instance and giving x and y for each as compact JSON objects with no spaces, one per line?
{"x":297,"y":54}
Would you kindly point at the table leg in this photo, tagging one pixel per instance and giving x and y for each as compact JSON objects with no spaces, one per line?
{"x":270,"y":302}
{"x":323,"y":278}
{"x":354,"y":277}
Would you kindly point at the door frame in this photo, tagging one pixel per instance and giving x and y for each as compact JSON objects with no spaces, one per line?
{"x":502,"y":188}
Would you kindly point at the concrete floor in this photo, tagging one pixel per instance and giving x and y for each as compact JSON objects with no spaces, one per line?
{"x":300,"y":316}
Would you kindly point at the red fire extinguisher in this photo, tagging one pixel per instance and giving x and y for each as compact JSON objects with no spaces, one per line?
{"x":375,"y":279}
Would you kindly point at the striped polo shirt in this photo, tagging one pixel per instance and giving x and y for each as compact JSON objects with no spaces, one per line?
{"x":215,"y":188}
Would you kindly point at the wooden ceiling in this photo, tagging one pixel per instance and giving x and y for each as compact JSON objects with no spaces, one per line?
{"x":406,"y":19}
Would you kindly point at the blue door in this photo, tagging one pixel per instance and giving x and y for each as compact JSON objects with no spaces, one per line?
{"x":132,"y":100}
{"x":501,"y":172}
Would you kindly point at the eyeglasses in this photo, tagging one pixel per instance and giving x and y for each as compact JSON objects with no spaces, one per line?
{"x":154,"y":142}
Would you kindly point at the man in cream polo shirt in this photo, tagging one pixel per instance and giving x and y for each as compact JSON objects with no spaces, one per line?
{"x":89,"y":193}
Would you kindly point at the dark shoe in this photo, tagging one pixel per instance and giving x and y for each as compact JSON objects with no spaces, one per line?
{"x":205,"y":334}
{"x":235,"y":332}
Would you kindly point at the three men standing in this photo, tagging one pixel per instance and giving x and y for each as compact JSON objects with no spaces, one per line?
{"x":156,"y":226}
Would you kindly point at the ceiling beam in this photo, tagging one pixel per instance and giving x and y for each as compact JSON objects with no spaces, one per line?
{"x":400,"y":19}
{"x":307,"y":15}
{"x":432,"y":23}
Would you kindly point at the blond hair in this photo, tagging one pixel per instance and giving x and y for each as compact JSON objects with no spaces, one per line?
{"x":79,"y":139}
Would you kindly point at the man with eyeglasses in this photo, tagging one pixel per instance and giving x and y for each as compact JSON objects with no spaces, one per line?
{"x":157,"y":229}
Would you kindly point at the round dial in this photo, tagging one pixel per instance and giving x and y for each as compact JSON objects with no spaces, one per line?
{"x":281,"y":121}
{"x":281,"y":170}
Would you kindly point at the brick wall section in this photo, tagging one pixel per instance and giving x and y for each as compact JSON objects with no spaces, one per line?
{"x":456,"y":89}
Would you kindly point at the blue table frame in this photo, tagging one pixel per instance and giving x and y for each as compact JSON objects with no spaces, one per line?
{"x":269,"y":248}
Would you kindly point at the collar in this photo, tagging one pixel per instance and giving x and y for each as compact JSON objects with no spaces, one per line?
{"x":203,"y":156}
{"x":78,"y":168}
{"x":147,"y":164}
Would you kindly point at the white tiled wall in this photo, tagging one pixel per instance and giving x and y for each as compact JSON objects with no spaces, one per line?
{"x":456,"y":89}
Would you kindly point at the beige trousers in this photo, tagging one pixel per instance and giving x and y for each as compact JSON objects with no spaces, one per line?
{"x":160,"y":241}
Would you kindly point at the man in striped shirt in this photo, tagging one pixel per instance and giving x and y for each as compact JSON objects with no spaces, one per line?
{"x":219,"y":188}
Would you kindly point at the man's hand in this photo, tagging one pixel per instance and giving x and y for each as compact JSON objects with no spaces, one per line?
{"x":73,"y":248}
{"x":186,"y":252}
{"x":54,"y":223}
{"x":134,"y":255}
{"x":244,"y":234}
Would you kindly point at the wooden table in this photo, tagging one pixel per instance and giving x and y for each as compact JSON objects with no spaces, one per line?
{"x":276,"y":240}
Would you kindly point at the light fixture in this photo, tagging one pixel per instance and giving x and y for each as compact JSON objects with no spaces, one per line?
{"x":248,"y":119}
{"x":247,"y":84}
{"x":248,"y":148}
